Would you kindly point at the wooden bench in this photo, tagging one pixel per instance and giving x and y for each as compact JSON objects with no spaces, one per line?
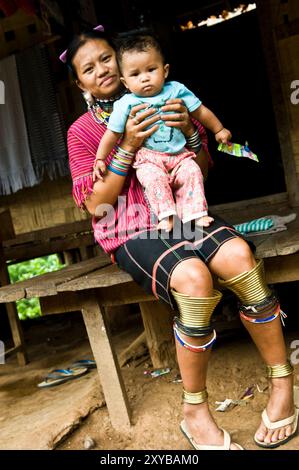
{"x":95,"y":284}
{"x":91,"y":286}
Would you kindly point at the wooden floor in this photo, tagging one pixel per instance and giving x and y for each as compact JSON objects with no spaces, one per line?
{"x":270,"y":245}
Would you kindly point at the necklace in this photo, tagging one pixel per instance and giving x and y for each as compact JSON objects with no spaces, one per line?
{"x":99,"y":110}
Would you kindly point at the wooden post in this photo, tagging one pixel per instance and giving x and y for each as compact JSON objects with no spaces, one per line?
{"x":106,"y":359}
{"x":265,"y":17}
{"x":14,"y":322}
{"x":157,"y":320}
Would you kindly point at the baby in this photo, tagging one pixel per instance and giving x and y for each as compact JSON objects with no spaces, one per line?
{"x":172,"y":180}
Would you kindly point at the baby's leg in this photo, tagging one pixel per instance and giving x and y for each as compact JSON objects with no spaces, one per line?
{"x":189,"y":193}
{"x":155,"y":181}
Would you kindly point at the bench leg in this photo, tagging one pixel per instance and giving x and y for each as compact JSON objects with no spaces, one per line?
{"x":17,"y":333}
{"x":106,"y":359}
{"x":157,"y":319}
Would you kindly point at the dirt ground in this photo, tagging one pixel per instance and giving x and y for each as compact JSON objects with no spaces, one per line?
{"x":65,"y":416}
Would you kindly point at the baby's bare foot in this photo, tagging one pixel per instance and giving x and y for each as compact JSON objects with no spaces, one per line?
{"x":204,"y":221}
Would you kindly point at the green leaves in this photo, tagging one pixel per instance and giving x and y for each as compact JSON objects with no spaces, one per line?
{"x":30,"y":308}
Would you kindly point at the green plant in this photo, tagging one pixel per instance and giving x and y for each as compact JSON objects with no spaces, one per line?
{"x":30,"y":308}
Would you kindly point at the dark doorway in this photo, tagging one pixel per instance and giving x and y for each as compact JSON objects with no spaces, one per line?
{"x":224,"y":65}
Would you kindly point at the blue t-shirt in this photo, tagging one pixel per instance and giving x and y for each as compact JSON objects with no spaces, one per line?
{"x":166,"y":139}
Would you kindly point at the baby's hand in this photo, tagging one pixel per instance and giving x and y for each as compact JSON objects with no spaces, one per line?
{"x":223,"y":137}
{"x":99,"y":169}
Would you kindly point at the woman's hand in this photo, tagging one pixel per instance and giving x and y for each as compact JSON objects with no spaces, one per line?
{"x":179,"y":116}
{"x":136,"y":128}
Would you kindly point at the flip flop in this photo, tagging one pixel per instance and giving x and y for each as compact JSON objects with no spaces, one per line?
{"x":225,"y":446}
{"x":292,"y":420}
{"x":58,"y":376}
{"x":90,"y":364}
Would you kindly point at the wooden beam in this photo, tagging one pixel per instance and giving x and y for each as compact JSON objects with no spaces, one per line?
{"x":14,"y":322}
{"x":157,"y":319}
{"x":106,"y":360}
{"x":282,"y":268}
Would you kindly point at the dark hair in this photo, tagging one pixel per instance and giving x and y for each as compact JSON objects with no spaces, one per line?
{"x":137,"y":42}
{"x":79,"y":40}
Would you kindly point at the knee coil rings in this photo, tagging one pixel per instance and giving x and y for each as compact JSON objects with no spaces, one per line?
{"x":258,"y":303}
{"x":194,"y":320}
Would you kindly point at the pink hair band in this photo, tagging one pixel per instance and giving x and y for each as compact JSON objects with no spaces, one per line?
{"x":62,"y":56}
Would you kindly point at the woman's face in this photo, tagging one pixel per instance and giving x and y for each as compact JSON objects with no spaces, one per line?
{"x":97,"y":69}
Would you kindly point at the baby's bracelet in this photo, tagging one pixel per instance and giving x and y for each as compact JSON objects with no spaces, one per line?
{"x":193,"y":142}
{"x":219,"y":131}
{"x":121,"y":162}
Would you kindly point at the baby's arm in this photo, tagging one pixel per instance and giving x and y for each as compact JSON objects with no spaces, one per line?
{"x":107,"y":143}
{"x":208,"y":119}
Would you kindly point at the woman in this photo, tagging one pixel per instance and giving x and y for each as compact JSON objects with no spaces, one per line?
{"x":174,"y":268}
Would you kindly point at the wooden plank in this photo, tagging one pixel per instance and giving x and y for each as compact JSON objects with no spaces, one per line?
{"x":60,"y":303}
{"x":278,"y":244}
{"x":6,"y":227}
{"x":52,"y":232}
{"x":157,"y":319}
{"x":30,"y":250}
{"x":14,"y":322}
{"x":282,"y":269}
{"x":105,"y":277}
{"x":46,"y":284}
{"x":127,"y":293}
{"x":49,"y":283}
{"x":246,"y":204}
{"x":106,"y":360}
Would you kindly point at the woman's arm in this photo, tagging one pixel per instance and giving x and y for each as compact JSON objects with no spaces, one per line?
{"x":107,"y":191}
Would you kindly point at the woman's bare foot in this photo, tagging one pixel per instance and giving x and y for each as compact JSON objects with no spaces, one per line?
{"x":202,"y":427}
{"x":280,"y":406}
{"x":204,"y":221}
{"x":166,"y":224}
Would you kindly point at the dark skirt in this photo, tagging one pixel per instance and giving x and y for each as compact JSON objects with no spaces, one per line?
{"x":151,"y":256}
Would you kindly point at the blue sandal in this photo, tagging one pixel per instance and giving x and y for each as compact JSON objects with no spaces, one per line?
{"x":59,"y":376}
{"x":90,"y":364}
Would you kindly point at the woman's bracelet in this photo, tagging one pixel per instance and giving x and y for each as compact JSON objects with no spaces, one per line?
{"x":194,"y":142}
{"x":121,"y":162}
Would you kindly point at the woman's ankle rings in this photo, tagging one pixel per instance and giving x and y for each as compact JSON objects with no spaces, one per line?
{"x":194,"y":320}
{"x":277,"y":371}
{"x":195,"y":398}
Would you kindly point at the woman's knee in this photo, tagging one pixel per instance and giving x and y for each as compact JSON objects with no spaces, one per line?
{"x":192,"y":277}
{"x":234,"y":257}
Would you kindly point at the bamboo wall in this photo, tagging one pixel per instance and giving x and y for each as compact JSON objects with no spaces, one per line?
{"x":45,"y":205}
{"x":49,"y":203}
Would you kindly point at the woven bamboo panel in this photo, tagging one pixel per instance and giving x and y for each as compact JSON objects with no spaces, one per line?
{"x":42,"y":206}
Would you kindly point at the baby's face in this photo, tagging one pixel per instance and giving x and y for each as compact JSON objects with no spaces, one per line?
{"x":144,"y":73}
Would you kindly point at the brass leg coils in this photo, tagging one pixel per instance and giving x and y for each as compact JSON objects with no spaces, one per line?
{"x":258,"y":303}
{"x":195,"y":316}
{"x":195,"y":321}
